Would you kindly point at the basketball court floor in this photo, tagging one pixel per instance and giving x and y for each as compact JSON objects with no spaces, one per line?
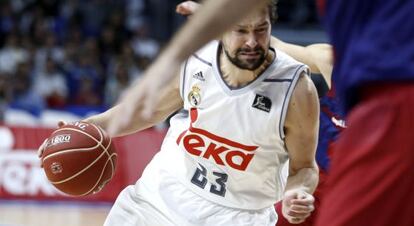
{"x":22,"y":213}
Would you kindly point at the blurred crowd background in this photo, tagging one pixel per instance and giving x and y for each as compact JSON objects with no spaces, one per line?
{"x":80,"y":55}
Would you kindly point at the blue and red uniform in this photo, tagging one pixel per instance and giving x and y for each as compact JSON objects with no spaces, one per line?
{"x":373,"y":42}
{"x":331,"y":124}
{"x":371,"y":180}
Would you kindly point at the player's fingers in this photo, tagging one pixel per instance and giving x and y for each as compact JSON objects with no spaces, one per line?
{"x":296,"y":220}
{"x":302,"y":208}
{"x":61,"y":123}
{"x":303,"y":216}
{"x":40,"y":151}
{"x":187,"y":8}
{"x":287,"y":200}
{"x":182,"y":10}
{"x":304,"y":201}
{"x":300,"y":214}
{"x":301,"y":203}
{"x":41,"y":148}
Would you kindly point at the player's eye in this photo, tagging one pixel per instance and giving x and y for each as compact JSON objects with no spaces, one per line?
{"x":242,"y":31}
{"x":261,"y":30}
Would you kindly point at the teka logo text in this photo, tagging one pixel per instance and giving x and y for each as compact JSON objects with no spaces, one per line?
{"x":221,"y":150}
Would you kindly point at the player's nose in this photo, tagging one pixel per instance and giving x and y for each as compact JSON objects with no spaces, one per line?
{"x":251,"y":41}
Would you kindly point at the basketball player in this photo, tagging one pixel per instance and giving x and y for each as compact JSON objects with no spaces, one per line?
{"x":371,"y":181}
{"x":318,"y":56}
{"x":246,"y":109}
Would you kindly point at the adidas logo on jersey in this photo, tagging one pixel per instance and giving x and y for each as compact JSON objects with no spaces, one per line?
{"x":262,"y":103}
{"x":199,"y":76}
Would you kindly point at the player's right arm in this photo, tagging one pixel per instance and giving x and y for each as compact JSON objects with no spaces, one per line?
{"x":168,"y":102}
{"x":301,"y":136}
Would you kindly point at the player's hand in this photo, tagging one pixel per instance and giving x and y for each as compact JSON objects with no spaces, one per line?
{"x":297,"y":205}
{"x":43,"y":145}
{"x":187,"y":8}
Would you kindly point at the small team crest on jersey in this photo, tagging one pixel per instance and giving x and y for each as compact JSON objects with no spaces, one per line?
{"x":262,"y":103}
{"x":194,"y":96}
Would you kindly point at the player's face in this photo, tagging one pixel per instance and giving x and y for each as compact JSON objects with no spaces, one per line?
{"x":247,"y":44}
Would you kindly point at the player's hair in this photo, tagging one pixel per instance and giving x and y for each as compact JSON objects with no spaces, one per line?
{"x":272,"y":7}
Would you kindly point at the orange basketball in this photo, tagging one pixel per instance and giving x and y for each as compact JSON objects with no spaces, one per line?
{"x":79,"y":158}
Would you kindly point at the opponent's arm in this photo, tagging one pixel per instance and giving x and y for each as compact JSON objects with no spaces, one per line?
{"x":301,"y":130}
{"x":317,"y":56}
{"x":168,"y":102}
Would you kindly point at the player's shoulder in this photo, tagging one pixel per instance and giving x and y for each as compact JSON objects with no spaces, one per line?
{"x":305,"y":87}
{"x":285,"y":67}
{"x":283,"y":58}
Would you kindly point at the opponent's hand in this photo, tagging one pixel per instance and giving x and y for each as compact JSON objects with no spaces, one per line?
{"x":187,"y":8}
{"x":43,"y":145}
{"x":297,"y":205}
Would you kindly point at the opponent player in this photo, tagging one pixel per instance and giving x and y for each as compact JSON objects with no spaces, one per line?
{"x":246,"y":110}
{"x":371,"y":181}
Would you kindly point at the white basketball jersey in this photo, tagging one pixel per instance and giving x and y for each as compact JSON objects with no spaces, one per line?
{"x":227,"y":145}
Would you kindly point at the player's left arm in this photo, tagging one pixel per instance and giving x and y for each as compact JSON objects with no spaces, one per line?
{"x":301,"y":130}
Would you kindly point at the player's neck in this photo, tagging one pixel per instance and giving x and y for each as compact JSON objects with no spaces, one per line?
{"x":237,"y":77}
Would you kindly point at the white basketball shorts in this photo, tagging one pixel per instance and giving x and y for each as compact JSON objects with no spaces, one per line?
{"x":163,"y":201}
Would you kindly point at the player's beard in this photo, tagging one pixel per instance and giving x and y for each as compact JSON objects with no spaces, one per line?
{"x":247,"y":64}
